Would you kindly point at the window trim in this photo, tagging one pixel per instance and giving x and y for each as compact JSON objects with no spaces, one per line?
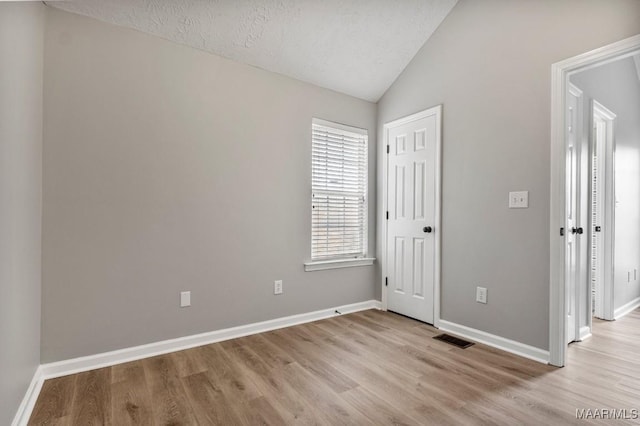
{"x":347,"y":260}
{"x":340,"y":126}
{"x":321,"y":265}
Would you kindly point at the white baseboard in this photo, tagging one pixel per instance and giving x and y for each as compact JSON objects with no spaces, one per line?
{"x":498,"y":342}
{"x":585,"y":333}
{"x":106,"y":359}
{"x":626,"y":308}
{"x":29,"y":401}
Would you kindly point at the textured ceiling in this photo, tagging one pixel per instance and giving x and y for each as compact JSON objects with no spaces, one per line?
{"x":357,"y":47}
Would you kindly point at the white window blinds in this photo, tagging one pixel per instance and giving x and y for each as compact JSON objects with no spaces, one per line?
{"x":339,"y":190}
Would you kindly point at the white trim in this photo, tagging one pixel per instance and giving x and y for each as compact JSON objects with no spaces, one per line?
{"x":29,"y":401}
{"x":321,"y":265}
{"x":636,"y":60}
{"x":340,"y":126}
{"x":438,"y":222}
{"x":357,"y":169}
{"x":106,"y":359}
{"x":382,"y":249}
{"x":414,"y":117}
{"x":495,"y":341}
{"x":585,"y":333}
{"x":560,"y":72}
{"x":627,"y":308}
{"x":437,"y":110}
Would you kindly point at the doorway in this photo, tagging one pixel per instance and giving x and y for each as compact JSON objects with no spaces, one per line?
{"x":571,"y":276}
{"x":411,"y":267}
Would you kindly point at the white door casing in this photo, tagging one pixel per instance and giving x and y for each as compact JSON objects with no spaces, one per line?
{"x":413,"y":225}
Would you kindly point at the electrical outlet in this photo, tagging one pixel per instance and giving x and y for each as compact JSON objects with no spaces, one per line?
{"x":277,"y":287}
{"x":519,"y":200}
{"x":185,"y":299}
{"x":481,"y":295}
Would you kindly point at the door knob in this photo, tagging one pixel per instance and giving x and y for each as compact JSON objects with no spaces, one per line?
{"x":427,"y":229}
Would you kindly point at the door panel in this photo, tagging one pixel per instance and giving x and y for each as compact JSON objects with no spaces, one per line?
{"x":399,"y":265}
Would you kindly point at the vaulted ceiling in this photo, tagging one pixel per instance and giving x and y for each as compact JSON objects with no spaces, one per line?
{"x":357,"y":47}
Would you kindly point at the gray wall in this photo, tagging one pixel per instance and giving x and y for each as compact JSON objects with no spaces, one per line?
{"x":617,"y":87}
{"x":489,"y":64}
{"x":168,"y":169}
{"x":21,"y":32}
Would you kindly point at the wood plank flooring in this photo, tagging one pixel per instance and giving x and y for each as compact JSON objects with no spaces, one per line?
{"x":370,"y":367}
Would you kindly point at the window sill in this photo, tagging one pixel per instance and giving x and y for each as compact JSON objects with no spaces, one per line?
{"x":338,"y":263}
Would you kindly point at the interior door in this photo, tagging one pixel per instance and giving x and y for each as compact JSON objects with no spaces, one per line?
{"x":603,"y":216}
{"x":574,"y":230}
{"x":597,"y":215}
{"x":412,"y":201}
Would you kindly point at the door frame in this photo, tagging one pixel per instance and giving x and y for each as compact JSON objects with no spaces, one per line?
{"x":560,"y":72}
{"x":437,"y":111}
{"x":605,"y":290}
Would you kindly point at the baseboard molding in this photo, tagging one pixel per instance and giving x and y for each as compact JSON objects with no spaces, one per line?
{"x":29,"y":401}
{"x":627,"y":308}
{"x":585,"y":333}
{"x":498,"y":342}
{"x":106,"y":359}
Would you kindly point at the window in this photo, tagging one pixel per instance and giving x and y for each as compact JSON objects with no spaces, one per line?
{"x":339,"y":192}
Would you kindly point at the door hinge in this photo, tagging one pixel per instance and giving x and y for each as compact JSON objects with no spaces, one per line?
{"x":562,"y":232}
{"x":387,"y":214}
{"x":387,"y":149}
{"x":386,"y":281}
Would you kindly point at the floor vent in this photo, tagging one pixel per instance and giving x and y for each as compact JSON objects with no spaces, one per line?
{"x":455,"y":341}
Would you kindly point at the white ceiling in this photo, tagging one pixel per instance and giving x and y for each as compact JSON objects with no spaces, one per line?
{"x":357,"y":47}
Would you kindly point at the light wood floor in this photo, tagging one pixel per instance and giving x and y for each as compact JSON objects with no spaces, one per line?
{"x":367,"y":368}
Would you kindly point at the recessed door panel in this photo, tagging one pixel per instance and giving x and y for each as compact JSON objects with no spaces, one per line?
{"x":419,"y":181}
{"x":420,"y":139}
{"x":401,"y":144}
{"x":400,"y":191}
{"x":418,"y":267}
{"x":399,"y":265}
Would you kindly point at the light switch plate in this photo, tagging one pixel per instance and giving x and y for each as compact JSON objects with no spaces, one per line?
{"x":519,"y":200}
{"x":481,"y":294}
{"x":185,"y":299}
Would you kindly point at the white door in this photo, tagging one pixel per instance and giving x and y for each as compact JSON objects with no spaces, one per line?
{"x":597,"y":215}
{"x":413,"y":190}
{"x":574,"y":231}
{"x":603,"y":202}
